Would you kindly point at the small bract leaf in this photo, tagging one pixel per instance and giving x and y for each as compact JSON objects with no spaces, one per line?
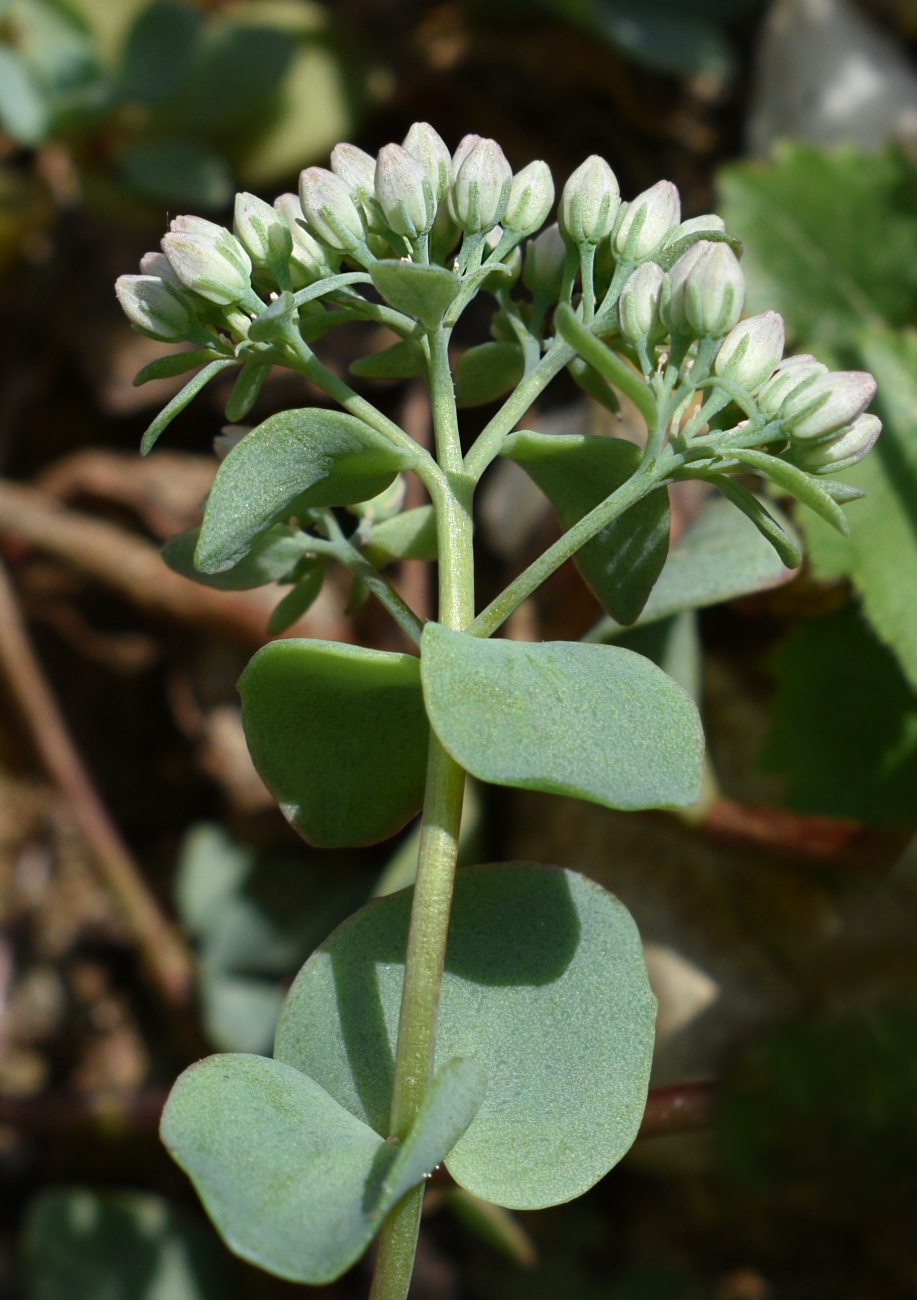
{"x":544,"y":986}
{"x":274,"y":555}
{"x":296,"y":602}
{"x":177,"y":363}
{"x":408,"y":536}
{"x":786,"y":547}
{"x":292,"y":461}
{"x":401,"y":361}
{"x":180,"y":401}
{"x":293,"y":1181}
{"x":592,"y":721}
{"x":577,"y":472}
{"x":339,"y":735}
{"x":487,"y":372}
{"x":425,"y":292}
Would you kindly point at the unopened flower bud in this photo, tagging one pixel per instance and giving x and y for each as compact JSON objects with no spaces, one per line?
{"x":796,"y":373}
{"x":465,"y":146}
{"x":842,"y":452}
{"x":531,"y":197}
{"x":638,"y":306}
{"x":750,"y":353}
{"x":706,"y":290}
{"x":329,"y":208}
{"x":545,"y":257}
{"x":647,"y":221}
{"x":309,"y":260}
{"x":827,"y":405}
{"x":154,"y":308}
{"x":158,"y":264}
{"x":429,"y":148}
{"x":262,"y":231}
{"x":405,"y":192}
{"x":709,"y":223}
{"x":356,"y":168}
{"x":215,"y":265}
{"x":590,"y":202}
{"x":481,"y":189}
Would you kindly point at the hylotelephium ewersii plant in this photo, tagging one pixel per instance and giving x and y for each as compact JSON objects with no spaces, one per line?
{"x":520,"y":1053}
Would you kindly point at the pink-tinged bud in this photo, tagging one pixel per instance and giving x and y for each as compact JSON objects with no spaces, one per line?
{"x":329,"y":208}
{"x":355,"y":168}
{"x":404,"y":192}
{"x":481,"y":189}
{"x":709,"y":223}
{"x":750,"y":353}
{"x":309,"y":259}
{"x":794,"y":373}
{"x":545,"y":257}
{"x":262,"y":231}
{"x":215,"y":265}
{"x":840,"y":453}
{"x":706,"y":291}
{"x":158,"y":264}
{"x":590,"y":202}
{"x":153,"y":308}
{"x":466,"y":144}
{"x":647,"y":221}
{"x":429,"y":148}
{"x":829,"y":404}
{"x":196,"y":226}
{"x":531,"y":197}
{"x":638,"y":306}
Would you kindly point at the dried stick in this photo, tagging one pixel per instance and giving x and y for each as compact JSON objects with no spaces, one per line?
{"x":162,"y":947}
{"x":681,"y":1108}
{"x":831,"y":841}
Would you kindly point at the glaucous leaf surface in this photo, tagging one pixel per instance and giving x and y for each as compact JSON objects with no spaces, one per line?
{"x":81,"y":1244}
{"x":577,"y":472}
{"x":426,"y":292}
{"x":273,"y":556}
{"x":720,"y":556}
{"x":295,"y":603}
{"x":544,"y":985}
{"x":292,"y":461}
{"x":410,"y":535}
{"x":880,"y":554}
{"x":294,"y":1182}
{"x":339,"y":735}
{"x":486,"y":372}
{"x":592,"y":721}
{"x":180,"y":401}
{"x":402,"y":360}
{"x":176,"y":363}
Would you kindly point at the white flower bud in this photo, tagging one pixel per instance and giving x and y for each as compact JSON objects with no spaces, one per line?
{"x":405,"y":192}
{"x":706,"y":290}
{"x":531,"y":197}
{"x":590,"y":202}
{"x":309,"y":259}
{"x":466,"y":144}
{"x":708,"y":223}
{"x":750,"y":353}
{"x":356,"y":169}
{"x":794,"y":373}
{"x":158,"y":264}
{"x":429,"y":148}
{"x":647,"y":221}
{"x":329,"y":208}
{"x":638,"y":306}
{"x":153,"y":307}
{"x":262,"y":231}
{"x":215,"y":265}
{"x":840,"y":453}
{"x":830,"y":403}
{"x":481,"y":189}
{"x":545,"y":257}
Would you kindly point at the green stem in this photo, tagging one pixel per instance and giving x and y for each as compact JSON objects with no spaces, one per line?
{"x":499,"y":610}
{"x":342,"y":549}
{"x":439,"y":837}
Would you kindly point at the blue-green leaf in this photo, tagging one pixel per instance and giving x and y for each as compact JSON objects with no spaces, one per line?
{"x":544,"y":985}
{"x":339,"y":735}
{"x":177,"y":363}
{"x":402,"y":360}
{"x":487,"y":371}
{"x":410,"y":535}
{"x":272,"y":558}
{"x":426,"y":292}
{"x":180,"y":401}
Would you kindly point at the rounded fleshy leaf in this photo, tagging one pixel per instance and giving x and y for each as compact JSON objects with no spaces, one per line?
{"x":544,"y":985}
{"x":596,"y":722}
{"x":339,"y":735}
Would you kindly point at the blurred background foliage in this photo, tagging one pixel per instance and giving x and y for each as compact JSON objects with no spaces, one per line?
{"x":778,"y":917}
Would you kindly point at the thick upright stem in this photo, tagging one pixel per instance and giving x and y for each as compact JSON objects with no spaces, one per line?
{"x":429,"y":928}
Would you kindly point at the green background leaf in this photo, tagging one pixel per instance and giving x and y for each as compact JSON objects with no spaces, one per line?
{"x":339,"y":735}
{"x":292,"y":461}
{"x":274,"y":555}
{"x":544,"y":985}
{"x":410,"y":535}
{"x":487,"y":372}
{"x":577,"y":472}
{"x":592,"y":721}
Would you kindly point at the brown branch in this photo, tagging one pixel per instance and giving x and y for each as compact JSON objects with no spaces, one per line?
{"x":134,"y":567}
{"x":679,"y":1109}
{"x":827,"y":840}
{"x":160,"y":943}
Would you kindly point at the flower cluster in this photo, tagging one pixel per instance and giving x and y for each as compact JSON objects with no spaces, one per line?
{"x":653,"y":287}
